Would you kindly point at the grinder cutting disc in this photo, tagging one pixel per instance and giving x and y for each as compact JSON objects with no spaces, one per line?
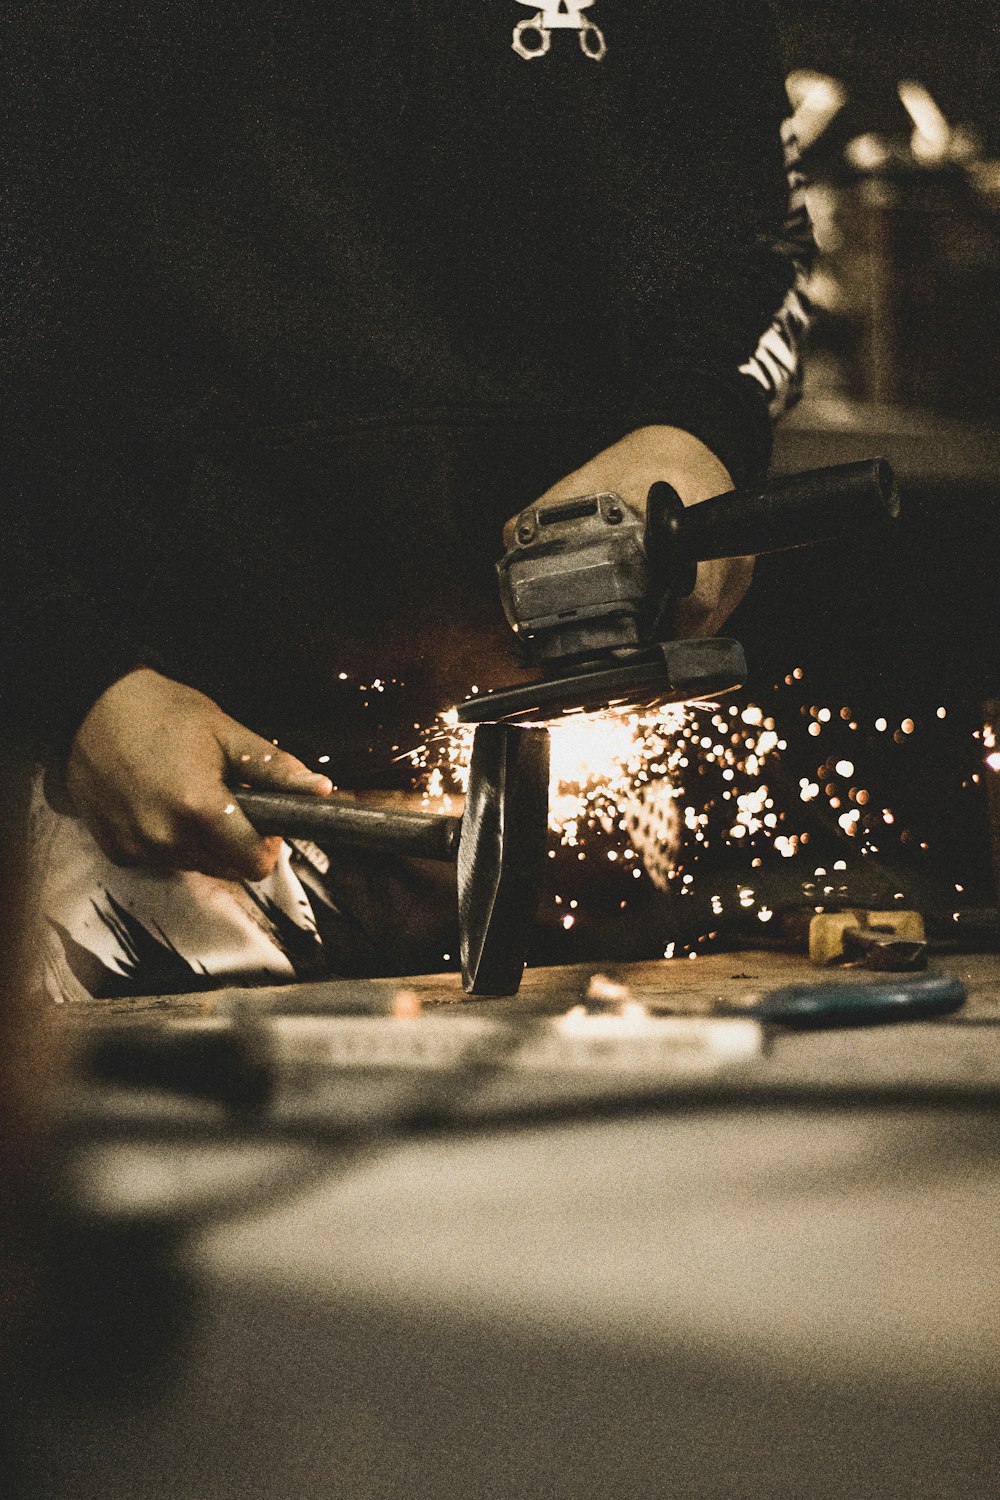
{"x":672,"y":672}
{"x":501,"y":854}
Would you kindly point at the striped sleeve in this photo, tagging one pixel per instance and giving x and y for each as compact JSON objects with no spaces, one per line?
{"x":776,"y":362}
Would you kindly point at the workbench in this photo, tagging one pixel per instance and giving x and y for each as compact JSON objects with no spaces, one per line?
{"x":783,"y":1286}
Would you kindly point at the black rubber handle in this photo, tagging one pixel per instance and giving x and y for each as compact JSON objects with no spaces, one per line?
{"x":786,"y":513}
{"x":352,"y":824}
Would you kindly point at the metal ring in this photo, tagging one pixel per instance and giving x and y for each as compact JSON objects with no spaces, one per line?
{"x":545,"y":38}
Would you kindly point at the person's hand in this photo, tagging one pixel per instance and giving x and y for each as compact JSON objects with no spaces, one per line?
{"x":629,"y":468}
{"x":149,"y":773}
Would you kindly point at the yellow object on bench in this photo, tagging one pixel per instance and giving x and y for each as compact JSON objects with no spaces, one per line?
{"x":826,"y":930}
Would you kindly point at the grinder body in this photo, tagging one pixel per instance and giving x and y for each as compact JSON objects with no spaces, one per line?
{"x":589,"y":585}
{"x":581,"y":580}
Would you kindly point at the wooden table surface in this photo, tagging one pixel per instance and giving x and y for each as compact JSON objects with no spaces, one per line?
{"x":691,"y":982}
{"x":783,"y":1290}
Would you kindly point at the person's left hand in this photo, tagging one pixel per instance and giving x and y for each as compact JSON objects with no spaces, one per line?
{"x":629,"y":468}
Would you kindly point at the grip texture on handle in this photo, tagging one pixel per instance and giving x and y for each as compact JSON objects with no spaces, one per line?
{"x":789,"y":512}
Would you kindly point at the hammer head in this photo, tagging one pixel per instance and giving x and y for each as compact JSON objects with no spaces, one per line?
{"x":501,"y":854}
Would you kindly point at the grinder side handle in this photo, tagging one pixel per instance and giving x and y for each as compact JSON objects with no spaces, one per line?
{"x":784,"y":513}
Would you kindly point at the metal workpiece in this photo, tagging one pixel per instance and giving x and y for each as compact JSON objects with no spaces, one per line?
{"x":498,"y":844}
{"x":501,"y":855}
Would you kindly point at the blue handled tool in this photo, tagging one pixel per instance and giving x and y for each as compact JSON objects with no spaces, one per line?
{"x":868,"y":1003}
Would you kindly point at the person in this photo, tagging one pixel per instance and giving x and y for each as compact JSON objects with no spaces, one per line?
{"x":302,"y":305}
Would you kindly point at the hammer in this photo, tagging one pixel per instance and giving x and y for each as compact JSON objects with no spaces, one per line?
{"x":498,"y":844}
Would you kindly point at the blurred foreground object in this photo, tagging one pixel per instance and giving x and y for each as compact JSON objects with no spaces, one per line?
{"x":26,"y":1060}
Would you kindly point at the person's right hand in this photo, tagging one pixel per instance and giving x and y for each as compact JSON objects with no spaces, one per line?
{"x":149,"y":772}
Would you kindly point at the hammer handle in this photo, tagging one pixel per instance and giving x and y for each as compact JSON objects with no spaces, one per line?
{"x":352,"y":824}
{"x":789,"y":512}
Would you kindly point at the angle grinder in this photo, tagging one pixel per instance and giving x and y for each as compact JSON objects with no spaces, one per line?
{"x":589,"y":586}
